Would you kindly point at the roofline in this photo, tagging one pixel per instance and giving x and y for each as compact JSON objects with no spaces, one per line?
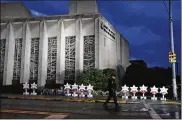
{"x":115,"y":29}
{"x":67,"y":16}
{"x":52,"y":17}
{"x":18,"y":2}
{"x":108,"y":22}
{"x":26,"y":9}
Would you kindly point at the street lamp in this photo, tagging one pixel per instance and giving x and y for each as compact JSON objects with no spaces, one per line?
{"x":173,"y":52}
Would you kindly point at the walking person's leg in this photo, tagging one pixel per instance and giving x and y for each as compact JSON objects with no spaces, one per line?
{"x":115,"y":100}
{"x":107,"y":100}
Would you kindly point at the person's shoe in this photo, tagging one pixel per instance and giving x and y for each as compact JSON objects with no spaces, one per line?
{"x":105,"y":105}
{"x":117,"y":106}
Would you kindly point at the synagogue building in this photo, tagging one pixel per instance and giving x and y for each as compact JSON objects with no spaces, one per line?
{"x":53,"y":49}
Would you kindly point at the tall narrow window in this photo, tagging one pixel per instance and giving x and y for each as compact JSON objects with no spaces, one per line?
{"x":52,"y":58}
{"x":89,"y":52}
{"x":34,"y":60}
{"x":17,"y":60}
{"x":70,"y":58}
{"x":2,"y":56}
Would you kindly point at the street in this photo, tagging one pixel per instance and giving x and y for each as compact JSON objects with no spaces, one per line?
{"x":76,"y":110}
{"x":21,"y":116}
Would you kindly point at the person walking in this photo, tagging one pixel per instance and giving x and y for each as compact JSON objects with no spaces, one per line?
{"x":112,"y":91}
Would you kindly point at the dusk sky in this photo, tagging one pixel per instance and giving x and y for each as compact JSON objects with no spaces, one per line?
{"x":144,"y":24}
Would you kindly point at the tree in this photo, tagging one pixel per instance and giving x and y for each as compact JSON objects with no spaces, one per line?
{"x":97,"y":78}
{"x":94,"y":77}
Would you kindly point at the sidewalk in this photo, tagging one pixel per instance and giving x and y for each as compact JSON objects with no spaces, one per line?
{"x":58,"y":98}
{"x":95,"y":99}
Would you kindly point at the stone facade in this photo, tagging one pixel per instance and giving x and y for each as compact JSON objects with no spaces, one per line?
{"x":83,"y":7}
{"x":53,"y":49}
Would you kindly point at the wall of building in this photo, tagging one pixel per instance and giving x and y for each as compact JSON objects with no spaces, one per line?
{"x":82,"y":7}
{"x":35,"y":39}
{"x":125,"y":53}
{"x":118,"y":48}
{"x":14,"y":10}
{"x":109,"y":47}
{"x":54,"y":51}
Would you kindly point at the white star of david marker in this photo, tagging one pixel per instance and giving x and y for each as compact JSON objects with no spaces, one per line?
{"x":34,"y":86}
{"x":67,"y":86}
{"x":143,"y":87}
{"x":154,"y":89}
{"x":163,"y":90}
{"x":125,"y":88}
{"x":74,"y":86}
{"x":134,"y":88}
{"x":89,"y":87}
{"x":82,"y":87}
{"x":26,"y":85}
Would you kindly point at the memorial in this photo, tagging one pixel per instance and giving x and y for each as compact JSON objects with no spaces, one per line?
{"x":53,"y":49}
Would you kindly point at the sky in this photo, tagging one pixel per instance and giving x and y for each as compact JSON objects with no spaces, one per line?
{"x":143,"y":23}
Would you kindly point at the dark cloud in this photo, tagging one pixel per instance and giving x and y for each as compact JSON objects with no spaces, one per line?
{"x":146,"y":26}
{"x":154,"y":53}
{"x":129,"y":18}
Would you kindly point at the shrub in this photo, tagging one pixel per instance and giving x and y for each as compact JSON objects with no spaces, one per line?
{"x":97,"y":78}
{"x":94,"y":77}
{"x":17,"y":89}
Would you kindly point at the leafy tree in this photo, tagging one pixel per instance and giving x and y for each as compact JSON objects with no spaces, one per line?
{"x":94,"y":77}
{"x":97,"y":78}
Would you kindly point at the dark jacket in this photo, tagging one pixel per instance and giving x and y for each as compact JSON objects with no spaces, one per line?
{"x":111,"y":85}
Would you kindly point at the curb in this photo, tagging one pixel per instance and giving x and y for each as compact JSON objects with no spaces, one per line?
{"x":30,"y":112}
{"x":64,"y":99}
{"x":87,"y":100}
{"x":172,"y":103}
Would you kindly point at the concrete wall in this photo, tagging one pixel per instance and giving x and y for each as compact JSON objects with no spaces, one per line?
{"x":82,"y":7}
{"x":125,"y":53}
{"x":112,"y":52}
{"x":43,"y":29}
{"x":3,"y":30}
{"x":14,"y":10}
{"x":109,"y":52}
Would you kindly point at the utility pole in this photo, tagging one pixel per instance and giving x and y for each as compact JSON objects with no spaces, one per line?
{"x":172,"y":50}
{"x":177,"y":68}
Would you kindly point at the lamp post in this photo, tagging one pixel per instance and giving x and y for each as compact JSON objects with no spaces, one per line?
{"x":172,"y":50}
{"x":177,"y":68}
